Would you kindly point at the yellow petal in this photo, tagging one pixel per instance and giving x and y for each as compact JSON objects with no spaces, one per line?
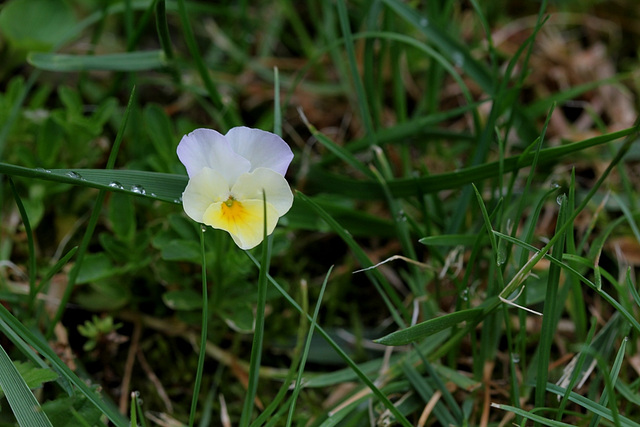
{"x":243,"y":219}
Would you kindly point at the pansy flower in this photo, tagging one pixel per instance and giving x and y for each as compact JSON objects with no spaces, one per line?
{"x":228,"y":175}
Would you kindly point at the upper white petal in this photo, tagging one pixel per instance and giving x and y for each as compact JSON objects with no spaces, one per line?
{"x":206,"y":148}
{"x":249,"y":186}
{"x":203,"y":189}
{"x":261,"y":148}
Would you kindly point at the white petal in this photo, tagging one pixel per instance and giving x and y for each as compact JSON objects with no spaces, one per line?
{"x":249,"y":186}
{"x":261,"y":148}
{"x":206,"y":148}
{"x":203,"y":189}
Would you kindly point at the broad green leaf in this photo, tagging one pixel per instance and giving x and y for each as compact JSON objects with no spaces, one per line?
{"x":182,"y":300}
{"x":129,"y":61}
{"x":95,"y":267}
{"x":122,"y":216}
{"x":23,"y":403}
{"x":36,"y":24}
{"x":429,"y":327}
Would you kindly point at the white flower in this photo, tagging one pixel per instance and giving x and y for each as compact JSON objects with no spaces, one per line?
{"x":227,"y":177}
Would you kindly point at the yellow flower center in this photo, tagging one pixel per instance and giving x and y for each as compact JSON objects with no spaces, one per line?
{"x":233,"y":212}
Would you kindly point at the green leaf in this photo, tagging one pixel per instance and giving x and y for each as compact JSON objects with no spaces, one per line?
{"x":95,"y":267}
{"x":34,"y":377}
{"x":36,"y":24}
{"x":129,"y":61}
{"x":182,"y":300}
{"x":429,"y":327}
{"x":23,"y":403}
{"x":122,"y":216}
{"x":181,"y":250}
{"x":240,"y":317}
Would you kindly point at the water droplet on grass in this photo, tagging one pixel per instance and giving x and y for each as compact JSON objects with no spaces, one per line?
{"x":515,"y":357}
{"x":138,"y":189}
{"x":74,"y":175}
{"x":116,"y":184}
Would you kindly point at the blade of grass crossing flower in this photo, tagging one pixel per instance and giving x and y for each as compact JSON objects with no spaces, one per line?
{"x":256,"y":347}
{"x":203,"y":333}
{"x":551,"y":305}
{"x":93,"y":220}
{"x":352,"y":365}
{"x":30,"y":244}
{"x":24,"y":404}
{"x":314,"y":320}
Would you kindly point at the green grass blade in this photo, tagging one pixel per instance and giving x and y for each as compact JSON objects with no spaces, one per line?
{"x":592,"y":406}
{"x":551,"y":305}
{"x":14,"y":329}
{"x":24,"y":404}
{"x":203,"y":332}
{"x":30,"y":244}
{"x":233,"y":119}
{"x":531,"y":416}
{"x":407,"y":187}
{"x":129,"y":61}
{"x":307,"y":346}
{"x":352,"y":365}
{"x":258,"y":335}
{"x":429,"y":327}
{"x":386,"y":291}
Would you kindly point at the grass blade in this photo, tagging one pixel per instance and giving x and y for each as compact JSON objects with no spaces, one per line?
{"x":23,"y":403}
{"x":129,"y":61}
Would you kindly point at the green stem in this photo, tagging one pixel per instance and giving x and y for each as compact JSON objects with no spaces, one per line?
{"x":203,"y":335}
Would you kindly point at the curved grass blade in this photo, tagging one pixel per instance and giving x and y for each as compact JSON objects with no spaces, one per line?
{"x":321,"y":180}
{"x":24,"y":404}
{"x":129,"y":61}
{"x":429,"y":327}
{"x":30,"y":243}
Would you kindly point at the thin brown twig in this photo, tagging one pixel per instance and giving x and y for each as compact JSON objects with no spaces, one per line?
{"x":123,"y":405}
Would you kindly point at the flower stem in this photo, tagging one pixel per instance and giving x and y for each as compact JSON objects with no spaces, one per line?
{"x":203,"y":335}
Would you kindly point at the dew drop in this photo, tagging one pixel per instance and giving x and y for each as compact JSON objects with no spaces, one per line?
{"x":138,"y":189}
{"x":153,"y":194}
{"x":74,"y":175}
{"x":178,"y":200}
{"x":116,"y":184}
{"x":43,"y":170}
{"x":402,"y":216}
{"x":515,"y":357}
{"x":560,"y":199}
{"x":465,"y":295}
{"x":203,"y":228}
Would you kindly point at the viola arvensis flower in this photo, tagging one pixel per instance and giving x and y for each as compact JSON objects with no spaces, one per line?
{"x":227,"y":177}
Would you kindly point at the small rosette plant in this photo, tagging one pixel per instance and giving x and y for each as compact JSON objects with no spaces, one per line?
{"x":228,"y":176}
